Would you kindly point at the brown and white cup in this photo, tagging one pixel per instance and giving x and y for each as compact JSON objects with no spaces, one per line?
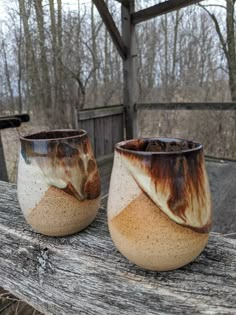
{"x":159,"y":206}
{"x":58,"y":182}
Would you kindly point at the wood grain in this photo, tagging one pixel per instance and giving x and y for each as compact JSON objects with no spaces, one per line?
{"x":3,"y":169}
{"x":99,"y":136}
{"x":108,"y":147}
{"x":222,"y":176}
{"x":88,"y":125}
{"x":160,"y":9}
{"x":111,"y":27}
{"x":117,"y":129}
{"x":84,"y":273}
{"x":187,"y":106}
{"x":100,"y":112}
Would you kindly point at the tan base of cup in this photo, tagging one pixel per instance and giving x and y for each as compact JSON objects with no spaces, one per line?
{"x":60,"y":214}
{"x":148,"y":238}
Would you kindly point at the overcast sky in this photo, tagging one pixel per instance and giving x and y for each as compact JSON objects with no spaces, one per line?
{"x":74,"y":3}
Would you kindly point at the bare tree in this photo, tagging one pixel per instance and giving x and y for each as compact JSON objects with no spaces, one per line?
{"x":228,"y":41}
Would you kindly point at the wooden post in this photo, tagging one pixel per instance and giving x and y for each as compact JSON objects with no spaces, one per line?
{"x":3,"y":169}
{"x":129,"y":69}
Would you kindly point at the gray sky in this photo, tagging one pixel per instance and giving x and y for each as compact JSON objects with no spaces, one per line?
{"x":73,"y":4}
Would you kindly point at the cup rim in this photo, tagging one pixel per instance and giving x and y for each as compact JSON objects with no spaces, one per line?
{"x":198,"y":147}
{"x":32,"y":137}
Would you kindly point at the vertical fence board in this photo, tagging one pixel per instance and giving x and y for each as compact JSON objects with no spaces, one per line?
{"x":105,"y":127}
{"x":117,"y":129}
{"x":99,"y":136}
{"x":108,"y":144}
{"x":88,"y":125}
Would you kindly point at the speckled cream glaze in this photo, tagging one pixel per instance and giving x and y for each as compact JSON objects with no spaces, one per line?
{"x":159,"y":206}
{"x":58,"y":181}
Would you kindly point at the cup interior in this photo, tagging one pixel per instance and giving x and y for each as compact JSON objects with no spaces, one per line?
{"x":55,"y":135}
{"x":159,"y":145}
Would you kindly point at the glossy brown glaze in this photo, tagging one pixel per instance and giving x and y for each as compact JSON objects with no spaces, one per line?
{"x":58,"y":182}
{"x":66,"y":160}
{"x":178,"y":180}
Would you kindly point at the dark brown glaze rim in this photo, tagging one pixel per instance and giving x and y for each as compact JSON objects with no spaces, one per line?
{"x":119,"y":147}
{"x":76,"y":133}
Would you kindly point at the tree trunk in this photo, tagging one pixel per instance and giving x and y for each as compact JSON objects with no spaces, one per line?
{"x":33,"y":83}
{"x":54,"y":53}
{"x":20,"y":62}
{"x":166,"y":57}
{"x":46,"y":86}
{"x":228,"y":44}
{"x":231,"y":47}
{"x":60,"y":105}
{"x":174,"y":61}
{"x":7,"y":74}
{"x":94,"y":50}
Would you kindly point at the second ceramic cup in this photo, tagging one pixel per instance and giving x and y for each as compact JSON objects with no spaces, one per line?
{"x":58,"y":182}
{"x":159,"y":206}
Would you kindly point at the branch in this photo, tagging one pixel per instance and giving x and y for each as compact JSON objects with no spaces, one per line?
{"x":214,"y":5}
{"x":220,"y":35}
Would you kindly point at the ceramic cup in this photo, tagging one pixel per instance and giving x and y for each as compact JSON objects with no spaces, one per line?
{"x":159,"y":206}
{"x":58,"y":182}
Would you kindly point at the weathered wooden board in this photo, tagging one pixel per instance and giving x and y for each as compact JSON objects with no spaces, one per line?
{"x":187,"y":106}
{"x":100,"y":112}
{"x":117,"y":129}
{"x":105,"y":167}
{"x":99,"y":136}
{"x":222,"y":177}
{"x":3,"y":169}
{"x":160,"y":9}
{"x":84,"y":273}
{"x":108,"y":145}
{"x":88,"y":125}
{"x":105,"y":127}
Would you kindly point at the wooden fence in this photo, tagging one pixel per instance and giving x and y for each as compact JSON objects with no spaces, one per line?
{"x":105,"y":127}
{"x":212,"y":124}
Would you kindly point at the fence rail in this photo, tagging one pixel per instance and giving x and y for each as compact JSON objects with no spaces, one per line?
{"x":187,"y":106}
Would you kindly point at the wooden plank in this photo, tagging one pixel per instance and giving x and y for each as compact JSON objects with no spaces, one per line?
{"x":125,"y":2}
{"x":21,"y":117}
{"x":100,"y":112}
{"x":160,"y":9}
{"x":222,"y":176}
{"x":88,"y":125}
{"x":9,"y":122}
{"x":111,"y":27}
{"x":117,"y":129}
{"x":99,"y":136}
{"x":187,"y":106}
{"x":85,"y":274}
{"x":129,"y":70}
{"x":3,"y":168}
{"x":108,"y":145}
{"x":105,"y":168}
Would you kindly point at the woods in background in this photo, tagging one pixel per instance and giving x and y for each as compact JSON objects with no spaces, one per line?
{"x":57,"y":59}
